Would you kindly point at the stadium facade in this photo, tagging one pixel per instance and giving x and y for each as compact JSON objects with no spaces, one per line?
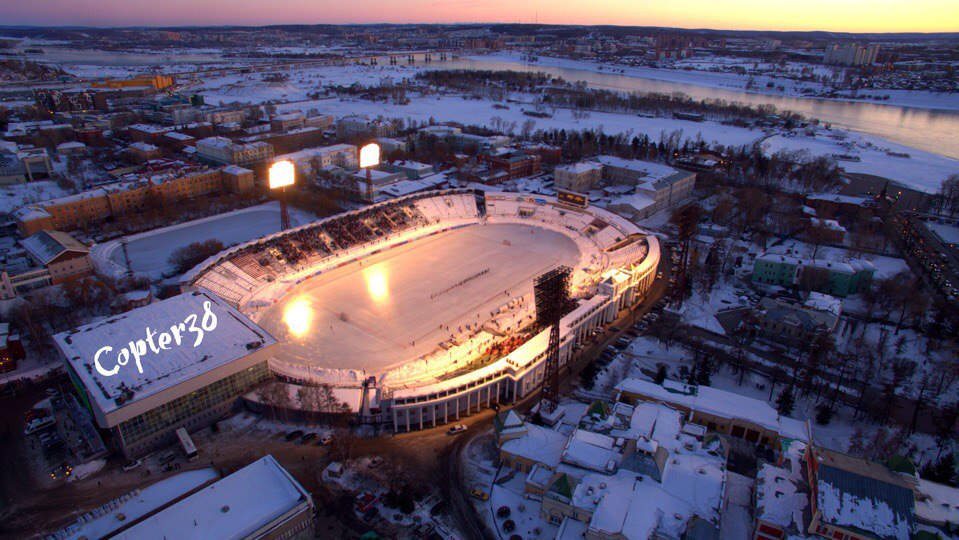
{"x":616,"y":269}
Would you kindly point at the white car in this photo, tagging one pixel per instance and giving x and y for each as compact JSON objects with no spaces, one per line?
{"x":37,"y":424}
{"x":130,"y":465}
{"x":326,"y":439}
{"x":459,"y":428}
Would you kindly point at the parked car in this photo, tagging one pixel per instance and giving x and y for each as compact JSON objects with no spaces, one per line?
{"x":479,"y":494}
{"x":458,"y":428}
{"x":376,"y":462}
{"x":295,"y":434}
{"x":326,"y":439}
{"x":166,"y":457}
{"x":37,"y":424}
{"x":308,"y":437}
{"x":61,"y":471}
{"x":439,"y":508}
{"x":132,"y":464}
{"x":364,"y":502}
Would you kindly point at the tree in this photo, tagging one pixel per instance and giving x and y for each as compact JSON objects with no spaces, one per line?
{"x":660,"y":374}
{"x":786,"y":401}
{"x":344,"y":439}
{"x":942,"y":471}
{"x":186,"y":257}
{"x":824,"y":414}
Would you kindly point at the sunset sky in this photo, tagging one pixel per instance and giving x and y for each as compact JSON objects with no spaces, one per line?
{"x":831,"y":15}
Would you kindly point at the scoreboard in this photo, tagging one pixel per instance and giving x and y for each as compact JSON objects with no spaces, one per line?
{"x":572,"y":198}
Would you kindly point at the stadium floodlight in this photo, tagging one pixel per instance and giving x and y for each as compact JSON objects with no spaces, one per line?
{"x":369,"y":156}
{"x":282,"y":174}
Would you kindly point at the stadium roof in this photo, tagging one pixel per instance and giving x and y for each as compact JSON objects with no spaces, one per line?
{"x":234,"y":337}
{"x":238,"y":506}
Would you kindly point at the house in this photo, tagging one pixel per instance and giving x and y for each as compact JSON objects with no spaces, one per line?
{"x":827,"y":231}
{"x":789,"y":321}
{"x":826,"y":276}
{"x":856,"y":499}
{"x":48,"y":258}
{"x":11,"y":348}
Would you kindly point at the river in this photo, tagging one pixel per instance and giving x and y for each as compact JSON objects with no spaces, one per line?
{"x":924,"y":129}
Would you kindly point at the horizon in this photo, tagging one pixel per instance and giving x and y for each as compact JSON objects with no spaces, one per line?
{"x":883,"y":16}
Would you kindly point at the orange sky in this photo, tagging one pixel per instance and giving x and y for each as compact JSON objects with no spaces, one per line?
{"x":829,"y":15}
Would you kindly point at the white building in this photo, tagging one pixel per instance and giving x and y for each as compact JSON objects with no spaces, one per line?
{"x":187,"y":372}
{"x":224,"y":151}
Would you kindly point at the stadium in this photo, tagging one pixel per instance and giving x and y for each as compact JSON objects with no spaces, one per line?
{"x":420,"y":309}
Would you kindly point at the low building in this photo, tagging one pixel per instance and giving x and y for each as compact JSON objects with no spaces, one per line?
{"x":782,"y":496}
{"x":50,"y":258}
{"x":177,"y":182}
{"x":147,"y":133}
{"x":259,"y":501}
{"x":720,"y":411}
{"x":142,"y":152}
{"x":830,"y":277}
{"x":131,"y":300}
{"x":789,"y":321}
{"x":377,"y":179}
{"x":221,"y":150}
{"x":354,"y":126}
{"x":190,"y":377}
{"x":826,"y":231}
{"x":11,"y":348}
{"x":665,"y":186}
{"x":291,"y":120}
{"x":412,"y":169}
{"x":579,"y":177}
{"x":35,"y":163}
{"x":514,"y":163}
{"x":853,"y":498}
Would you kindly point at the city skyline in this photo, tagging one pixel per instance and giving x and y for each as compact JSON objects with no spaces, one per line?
{"x":821,"y":15}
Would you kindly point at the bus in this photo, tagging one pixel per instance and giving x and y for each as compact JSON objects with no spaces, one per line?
{"x":187,"y":444}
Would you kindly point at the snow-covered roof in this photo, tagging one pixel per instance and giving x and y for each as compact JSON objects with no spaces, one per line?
{"x":593,"y":451}
{"x":150,"y":128}
{"x":137,"y":504}
{"x":634,"y":200}
{"x":45,"y":246}
{"x":70,"y":145}
{"x":540,"y":444}
{"x":855,"y":493}
{"x":715,"y":401}
{"x":233,"y":337}
{"x":236,"y":170}
{"x":235,"y":507}
{"x":580,"y":167}
{"x":143,"y":147}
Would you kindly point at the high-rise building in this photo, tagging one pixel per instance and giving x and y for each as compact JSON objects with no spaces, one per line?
{"x":850,"y":54}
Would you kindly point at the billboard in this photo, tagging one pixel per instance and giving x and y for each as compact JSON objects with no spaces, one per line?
{"x":572,"y":198}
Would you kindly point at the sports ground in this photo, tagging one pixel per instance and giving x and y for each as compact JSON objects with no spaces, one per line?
{"x":393,"y":307}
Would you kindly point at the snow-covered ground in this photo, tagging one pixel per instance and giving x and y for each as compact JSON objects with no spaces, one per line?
{"x":14,"y":196}
{"x":150,"y":251}
{"x":390,"y":317}
{"x":921,"y":170}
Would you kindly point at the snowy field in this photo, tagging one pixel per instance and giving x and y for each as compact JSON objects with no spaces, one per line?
{"x":921,"y":170}
{"x":150,"y":251}
{"x":14,"y":196}
{"x":390,"y":315}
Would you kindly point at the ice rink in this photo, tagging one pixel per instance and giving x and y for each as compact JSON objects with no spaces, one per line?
{"x":390,"y":317}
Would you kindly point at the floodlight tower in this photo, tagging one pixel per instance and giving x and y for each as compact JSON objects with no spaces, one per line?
{"x":551,"y":292}
{"x":369,"y":158}
{"x":281,"y":175}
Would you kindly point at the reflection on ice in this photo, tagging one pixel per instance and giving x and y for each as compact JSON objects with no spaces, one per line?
{"x":376,"y":283}
{"x":298,"y":317}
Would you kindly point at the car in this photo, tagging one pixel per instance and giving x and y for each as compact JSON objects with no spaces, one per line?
{"x":326,"y":439}
{"x":376,"y":462}
{"x":479,"y":494}
{"x":33,"y":414}
{"x":458,"y":428}
{"x":37,"y":424}
{"x":166,"y":457}
{"x":308,"y":437}
{"x":295,"y":434}
{"x":364,"y":502}
{"x":132,"y":464}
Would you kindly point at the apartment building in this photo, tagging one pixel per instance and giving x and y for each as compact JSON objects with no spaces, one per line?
{"x":222,"y":150}
{"x":81,"y":209}
{"x":579,"y":177}
{"x":46,"y":258}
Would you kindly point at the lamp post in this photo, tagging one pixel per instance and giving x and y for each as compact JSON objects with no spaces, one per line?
{"x":369,"y":158}
{"x":281,"y":175}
